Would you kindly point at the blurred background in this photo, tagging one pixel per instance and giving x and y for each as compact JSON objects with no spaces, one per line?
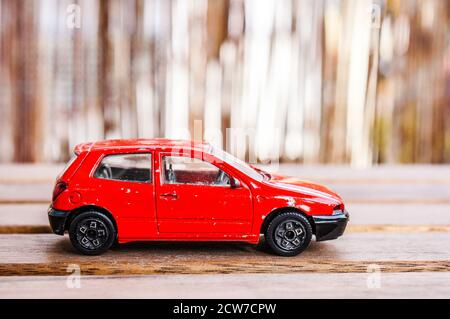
{"x":358,"y":82}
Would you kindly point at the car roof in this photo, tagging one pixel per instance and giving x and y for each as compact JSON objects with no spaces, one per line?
{"x":135,"y":144}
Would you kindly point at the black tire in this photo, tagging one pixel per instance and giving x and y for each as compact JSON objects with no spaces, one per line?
{"x":288,"y":234}
{"x":92,"y":233}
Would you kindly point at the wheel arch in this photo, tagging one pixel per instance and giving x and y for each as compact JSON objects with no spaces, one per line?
{"x":87,"y":208}
{"x":278,"y":211}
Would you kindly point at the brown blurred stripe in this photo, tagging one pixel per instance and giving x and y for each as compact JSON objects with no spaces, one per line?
{"x":25,"y":229}
{"x":24,"y":201}
{"x":283,"y":265}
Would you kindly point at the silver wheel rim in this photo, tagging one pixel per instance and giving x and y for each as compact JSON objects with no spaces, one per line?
{"x":92,"y":233}
{"x":290,"y":235}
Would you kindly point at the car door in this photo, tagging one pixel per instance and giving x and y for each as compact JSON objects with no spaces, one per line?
{"x":124,"y":185}
{"x":194,"y":196}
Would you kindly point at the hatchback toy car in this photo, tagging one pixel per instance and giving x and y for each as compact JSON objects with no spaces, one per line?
{"x":169,"y":190}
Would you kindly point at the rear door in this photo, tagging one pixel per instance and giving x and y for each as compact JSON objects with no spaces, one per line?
{"x":125,"y":187}
{"x":194,"y":197}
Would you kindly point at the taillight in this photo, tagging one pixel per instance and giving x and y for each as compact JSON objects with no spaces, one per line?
{"x":59,"y":188}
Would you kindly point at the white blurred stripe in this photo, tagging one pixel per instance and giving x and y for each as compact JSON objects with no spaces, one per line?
{"x":213,"y":111}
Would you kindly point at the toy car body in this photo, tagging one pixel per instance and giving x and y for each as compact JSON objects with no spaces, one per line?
{"x":169,"y":190}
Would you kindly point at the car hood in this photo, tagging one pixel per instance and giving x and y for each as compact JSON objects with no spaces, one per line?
{"x":297,"y":185}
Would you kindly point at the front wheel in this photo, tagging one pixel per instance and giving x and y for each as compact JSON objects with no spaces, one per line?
{"x":92,"y":233}
{"x":288,"y":234}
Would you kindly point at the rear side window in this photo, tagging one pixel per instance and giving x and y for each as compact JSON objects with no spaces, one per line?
{"x":126,"y":167}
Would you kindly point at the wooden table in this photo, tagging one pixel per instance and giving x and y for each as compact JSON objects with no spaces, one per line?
{"x":397,"y":245}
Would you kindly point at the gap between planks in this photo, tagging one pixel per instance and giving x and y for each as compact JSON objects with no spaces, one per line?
{"x":379,"y":228}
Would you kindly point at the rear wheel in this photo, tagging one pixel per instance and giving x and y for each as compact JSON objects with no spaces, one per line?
{"x":288,"y":234}
{"x":92,"y":233}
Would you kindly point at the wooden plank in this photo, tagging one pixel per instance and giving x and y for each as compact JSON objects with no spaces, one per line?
{"x":45,"y":229}
{"x":399,"y":214}
{"x":26,"y":215}
{"x":16,"y":219}
{"x":424,"y":184}
{"x":50,"y":255}
{"x":306,"y":285}
{"x":340,"y":174}
{"x":231,"y":266}
{"x":29,"y":173}
{"x":384,"y":193}
{"x":389,"y":228}
{"x":361,"y":214}
{"x":385,"y":174}
{"x":40,"y":193}
{"x":24,"y":219}
{"x":25,"y":229}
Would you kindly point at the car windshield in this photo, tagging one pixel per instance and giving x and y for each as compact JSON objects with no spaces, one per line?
{"x":238,"y":164}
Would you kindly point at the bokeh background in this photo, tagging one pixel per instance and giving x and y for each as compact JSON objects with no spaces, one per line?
{"x":358,"y":82}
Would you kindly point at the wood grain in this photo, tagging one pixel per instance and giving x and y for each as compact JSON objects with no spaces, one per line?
{"x":298,"y":285}
{"x":50,"y":255}
{"x":16,"y":219}
{"x":399,"y":223}
{"x":25,"y":229}
{"x":223,"y":267}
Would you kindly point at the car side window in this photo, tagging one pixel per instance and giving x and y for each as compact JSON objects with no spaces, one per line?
{"x":186,"y":170}
{"x":126,"y":167}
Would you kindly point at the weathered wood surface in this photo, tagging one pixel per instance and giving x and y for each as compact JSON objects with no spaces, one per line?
{"x":399,"y":214}
{"x":400,"y":222}
{"x":29,"y":173}
{"x":23,"y":215}
{"x":364,"y":217}
{"x":383,"y":174}
{"x":47,"y":254}
{"x":362,"y":193}
{"x":45,"y":229}
{"x":435,"y":174}
{"x":301,"y":286}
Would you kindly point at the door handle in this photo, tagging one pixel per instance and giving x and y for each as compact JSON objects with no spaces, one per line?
{"x":173,"y":195}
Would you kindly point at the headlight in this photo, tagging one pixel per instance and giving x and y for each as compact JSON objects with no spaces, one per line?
{"x":338,"y":210}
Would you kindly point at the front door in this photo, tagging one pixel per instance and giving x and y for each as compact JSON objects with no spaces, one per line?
{"x":195,"y":197}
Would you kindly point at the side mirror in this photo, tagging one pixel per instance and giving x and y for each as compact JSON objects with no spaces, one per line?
{"x":234,"y":183}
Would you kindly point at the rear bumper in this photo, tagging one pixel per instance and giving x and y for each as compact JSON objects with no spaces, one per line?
{"x":57,"y":219}
{"x":330,"y":227}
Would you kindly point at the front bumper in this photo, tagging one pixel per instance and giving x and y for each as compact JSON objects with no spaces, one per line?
{"x":330,"y":227}
{"x":57,"y":219}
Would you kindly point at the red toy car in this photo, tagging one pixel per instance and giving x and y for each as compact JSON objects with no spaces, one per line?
{"x":167,"y":190}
